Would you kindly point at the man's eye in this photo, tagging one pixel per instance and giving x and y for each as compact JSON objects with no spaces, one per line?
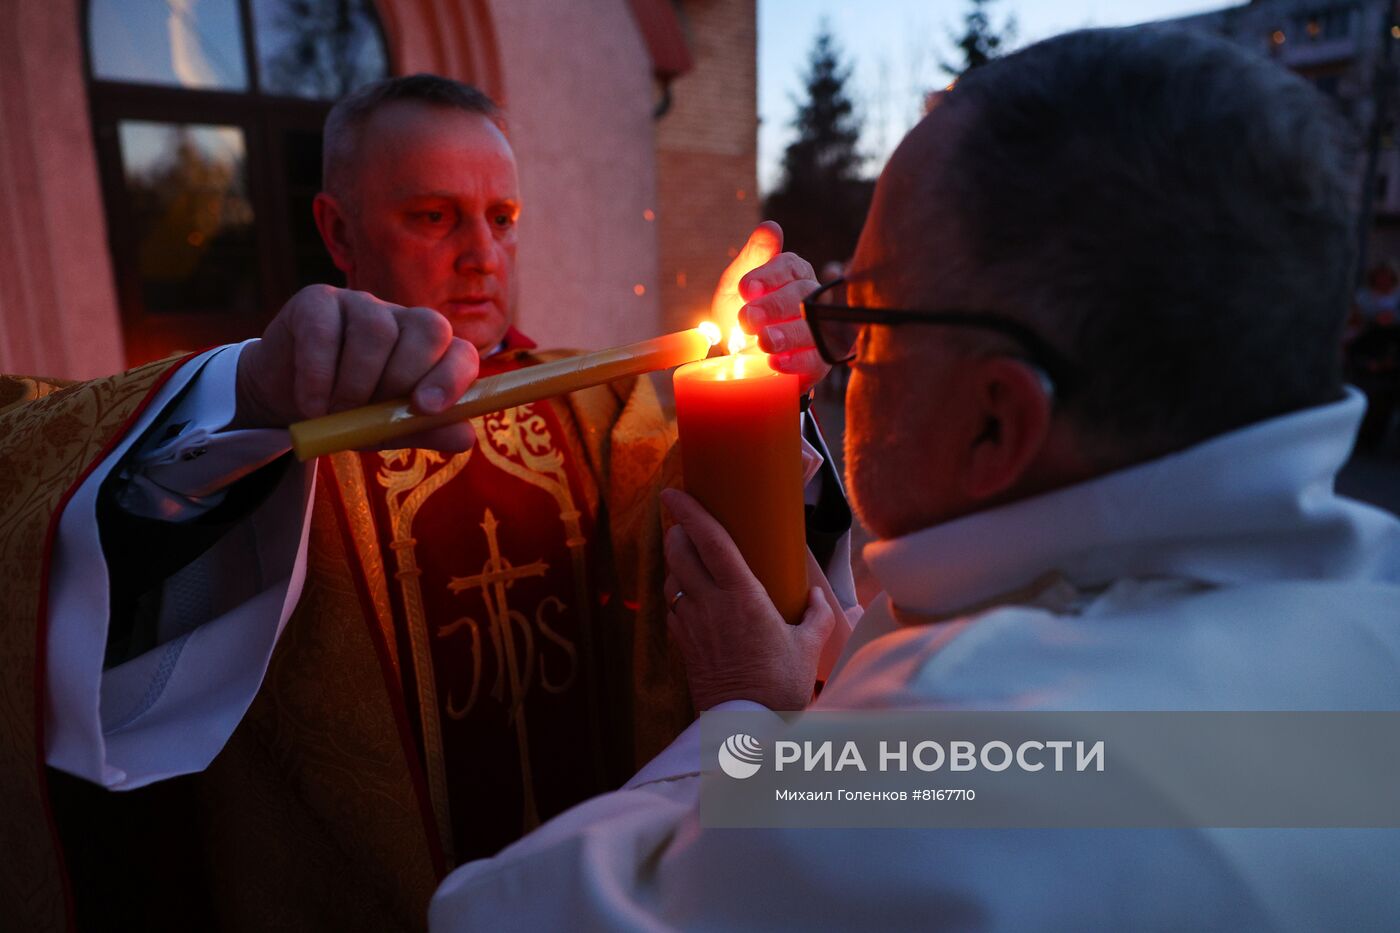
{"x":428,"y":218}
{"x":504,"y":221}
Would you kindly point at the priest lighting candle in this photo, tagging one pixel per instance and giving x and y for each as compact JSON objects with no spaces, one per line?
{"x":741,"y":455}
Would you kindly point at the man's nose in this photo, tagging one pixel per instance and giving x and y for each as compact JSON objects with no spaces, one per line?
{"x":476,"y":247}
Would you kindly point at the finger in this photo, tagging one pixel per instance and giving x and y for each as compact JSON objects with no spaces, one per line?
{"x":787,"y":337}
{"x":316,"y":328}
{"x":670,"y":588}
{"x":685,"y":565}
{"x":424,"y":336}
{"x":765,"y":242}
{"x":818,"y":621}
{"x":678,"y":630}
{"x":776,"y":307}
{"x":774,"y":274}
{"x":804,"y":363}
{"x":449,"y":377}
{"x":369,"y":337}
{"x":709,"y":540}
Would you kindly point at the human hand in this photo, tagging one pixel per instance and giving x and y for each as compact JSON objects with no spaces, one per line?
{"x":768,"y":286}
{"x":330,"y":349}
{"x":734,"y":643}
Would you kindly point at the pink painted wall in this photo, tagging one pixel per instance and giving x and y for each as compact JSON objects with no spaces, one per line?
{"x":579,"y":97}
{"x":58,"y":312}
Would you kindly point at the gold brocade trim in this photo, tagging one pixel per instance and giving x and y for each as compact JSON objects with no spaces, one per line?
{"x":350,"y":474}
{"x":408,"y":484}
{"x":517,"y":432}
{"x":18,"y":390}
{"x":48,"y":438}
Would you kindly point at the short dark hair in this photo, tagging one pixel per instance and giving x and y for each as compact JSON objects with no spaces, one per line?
{"x":1175,"y":212}
{"x":349,"y":115}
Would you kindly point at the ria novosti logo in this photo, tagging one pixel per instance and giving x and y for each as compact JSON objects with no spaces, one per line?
{"x":741,"y":756}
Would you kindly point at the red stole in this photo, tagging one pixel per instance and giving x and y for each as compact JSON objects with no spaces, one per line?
{"x":492,"y":561}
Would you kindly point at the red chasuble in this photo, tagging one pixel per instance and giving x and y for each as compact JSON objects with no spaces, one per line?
{"x":493,"y":569}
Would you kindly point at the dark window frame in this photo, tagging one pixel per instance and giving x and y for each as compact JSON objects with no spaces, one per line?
{"x":265,"y":120}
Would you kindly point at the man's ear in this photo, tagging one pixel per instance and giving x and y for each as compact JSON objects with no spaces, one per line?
{"x":1015,"y":410}
{"x":332,"y":222}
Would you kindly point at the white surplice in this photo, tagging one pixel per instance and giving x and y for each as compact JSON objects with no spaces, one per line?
{"x":170,"y":710}
{"x":1227,"y":576}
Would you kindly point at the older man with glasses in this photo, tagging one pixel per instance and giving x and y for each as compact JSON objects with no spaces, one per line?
{"x":1094,"y":418}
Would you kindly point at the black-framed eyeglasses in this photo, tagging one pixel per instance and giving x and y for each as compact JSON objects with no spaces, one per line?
{"x":836,"y":328}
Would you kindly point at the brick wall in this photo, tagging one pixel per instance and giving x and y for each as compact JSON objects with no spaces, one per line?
{"x":707,"y":150}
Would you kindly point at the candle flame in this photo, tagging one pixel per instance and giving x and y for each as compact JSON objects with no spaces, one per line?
{"x":711,"y":331}
{"x":763,"y":245}
{"x":737,"y":339}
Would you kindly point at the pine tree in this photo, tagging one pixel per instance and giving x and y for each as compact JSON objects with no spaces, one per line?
{"x":979,"y":42}
{"x":821,"y":200}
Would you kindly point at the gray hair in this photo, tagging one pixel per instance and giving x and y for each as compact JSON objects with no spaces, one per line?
{"x":1174,"y":212}
{"x":341,"y":136}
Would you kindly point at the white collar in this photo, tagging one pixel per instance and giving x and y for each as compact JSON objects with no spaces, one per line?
{"x":1253,"y":504}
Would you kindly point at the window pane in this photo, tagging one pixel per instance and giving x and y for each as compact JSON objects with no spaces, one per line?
{"x":187,"y":196}
{"x":320,"y":49}
{"x":185,"y":43}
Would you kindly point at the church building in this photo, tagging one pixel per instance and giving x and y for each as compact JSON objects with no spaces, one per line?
{"x":158,"y":159}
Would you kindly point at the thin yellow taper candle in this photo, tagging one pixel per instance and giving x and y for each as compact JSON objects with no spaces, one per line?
{"x":377,"y":424}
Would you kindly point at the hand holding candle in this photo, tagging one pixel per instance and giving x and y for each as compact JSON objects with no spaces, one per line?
{"x":334,"y":349}
{"x":741,"y":450}
{"x":734,"y":643}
